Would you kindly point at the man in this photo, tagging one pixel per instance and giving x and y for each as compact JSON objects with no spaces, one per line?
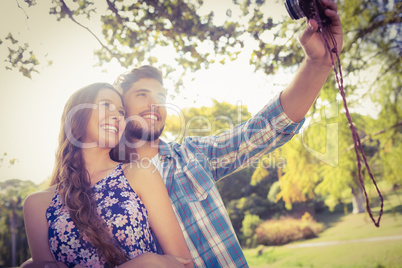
{"x":191,"y":169}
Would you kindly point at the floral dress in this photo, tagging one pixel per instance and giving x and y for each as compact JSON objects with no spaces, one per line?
{"x":123,"y":212}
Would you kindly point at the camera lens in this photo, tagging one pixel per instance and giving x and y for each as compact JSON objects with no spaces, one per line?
{"x":294,"y":10}
{"x":298,"y":9}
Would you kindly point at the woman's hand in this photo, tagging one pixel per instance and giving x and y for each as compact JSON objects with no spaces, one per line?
{"x":44,"y":264}
{"x":311,"y":40}
{"x":152,"y":260}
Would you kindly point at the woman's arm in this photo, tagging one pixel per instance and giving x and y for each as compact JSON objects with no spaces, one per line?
{"x":149,"y":186}
{"x":36,"y":227}
{"x":149,"y":260}
{"x":153,"y":260}
{"x":45,"y":264}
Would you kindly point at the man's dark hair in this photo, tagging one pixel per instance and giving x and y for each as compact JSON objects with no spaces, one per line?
{"x":125,"y":81}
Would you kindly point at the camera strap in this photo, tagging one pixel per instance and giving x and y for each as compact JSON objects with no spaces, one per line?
{"x":326,"y":32}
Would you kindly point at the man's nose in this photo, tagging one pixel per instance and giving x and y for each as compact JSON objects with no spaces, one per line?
{"x":154,"y":103}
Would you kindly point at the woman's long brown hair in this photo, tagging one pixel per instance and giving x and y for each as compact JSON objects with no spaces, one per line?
{"x":73,"y":180}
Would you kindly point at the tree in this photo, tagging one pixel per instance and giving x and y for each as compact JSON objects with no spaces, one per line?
{"x":371,"y":39}
{"x":205,"y":121}
{"x":20,"y":57}
{"x":310,"y":171}
{"x":241,"y":193}
{"x":13,"y":241}
{"x":341,"y":183}
{"x":131,"y":31}
{"x":250,"y":224}
{"x":372,"y":44}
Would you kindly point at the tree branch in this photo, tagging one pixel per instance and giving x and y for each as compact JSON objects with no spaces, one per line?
{"x":65,"y":8}
{"x":366,"y":138}
{"x":113,"y":8}
{"x":361,"y":33}
{"x":384,"y":72}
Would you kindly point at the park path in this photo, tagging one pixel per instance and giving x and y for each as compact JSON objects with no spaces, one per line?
{"x":339,"y":242}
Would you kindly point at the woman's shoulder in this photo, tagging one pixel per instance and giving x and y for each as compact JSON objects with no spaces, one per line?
{"x":138,"y":169}
{"x":40,"y":199}
{"x":141,"y":175}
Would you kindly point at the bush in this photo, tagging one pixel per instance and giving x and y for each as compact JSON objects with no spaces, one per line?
{"x":285,"y":230}
{"x":250,"y":224}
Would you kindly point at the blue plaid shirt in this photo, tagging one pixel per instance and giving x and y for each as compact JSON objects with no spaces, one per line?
{"x":191,"y":169}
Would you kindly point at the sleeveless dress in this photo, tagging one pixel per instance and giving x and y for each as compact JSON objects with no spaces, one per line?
{"x":123,"y":212}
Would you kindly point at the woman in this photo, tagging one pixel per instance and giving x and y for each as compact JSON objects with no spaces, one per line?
{"x":97,"y":212}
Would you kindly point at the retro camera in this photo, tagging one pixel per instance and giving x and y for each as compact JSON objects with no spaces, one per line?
{"x":298,"y":9}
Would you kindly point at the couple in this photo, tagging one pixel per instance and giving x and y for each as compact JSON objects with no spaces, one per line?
{"x":102,"y":213}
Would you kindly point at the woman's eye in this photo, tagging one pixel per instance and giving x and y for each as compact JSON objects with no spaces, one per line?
{"x":110,"y":106}
{"x":141,"y":94}
{"x":122,"y":112}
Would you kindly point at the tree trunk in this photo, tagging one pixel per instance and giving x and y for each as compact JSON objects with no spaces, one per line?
{"x":13,"y":225}
{"x":358,"y":201}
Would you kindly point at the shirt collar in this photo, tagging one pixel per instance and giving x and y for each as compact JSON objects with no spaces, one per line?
{"x":164,"y":149}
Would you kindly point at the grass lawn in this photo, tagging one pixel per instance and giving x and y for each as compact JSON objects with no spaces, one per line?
{"x":348,"y":253}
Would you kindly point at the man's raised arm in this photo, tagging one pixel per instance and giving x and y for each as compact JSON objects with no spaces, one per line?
{"x":298,"y":97}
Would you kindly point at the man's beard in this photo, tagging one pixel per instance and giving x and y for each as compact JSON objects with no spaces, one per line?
{"x":134,"y":131}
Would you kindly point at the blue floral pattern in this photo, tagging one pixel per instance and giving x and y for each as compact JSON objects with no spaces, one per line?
{"x":122,"y":210}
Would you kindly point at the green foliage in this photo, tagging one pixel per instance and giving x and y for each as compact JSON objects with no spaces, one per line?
{"x":371,"y":45}
{"x":337,"y":182}
{"x":20,"y":57}
{"x":240,"y":196}
{"x":249,"y":225}
{"x":12,"y":229}
{"x":261,"y":172}
{"x":11,"y":161}
{"x":388,"y":127}
{"x":285,"y":230}
{"x":252,"y":204}
{"x":274,"y":191}
{"x":30,"y":2}
{"x":310,"y":171}
{"x":236,"y":185}
{"x":371,"y":38}
{"x":132,"y":32}
{"x":206,"y":121}
{"x":391,"y":158}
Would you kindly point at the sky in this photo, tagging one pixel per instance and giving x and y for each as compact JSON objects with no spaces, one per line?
{"x":30,"y":109}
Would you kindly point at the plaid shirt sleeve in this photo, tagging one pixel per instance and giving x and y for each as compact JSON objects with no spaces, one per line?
{"x":244,"y":144}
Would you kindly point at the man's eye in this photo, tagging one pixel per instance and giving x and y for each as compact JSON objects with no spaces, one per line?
{"x":141,"y":94}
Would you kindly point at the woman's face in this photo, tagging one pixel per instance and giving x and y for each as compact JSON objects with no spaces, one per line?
{"x":107,"y":123}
